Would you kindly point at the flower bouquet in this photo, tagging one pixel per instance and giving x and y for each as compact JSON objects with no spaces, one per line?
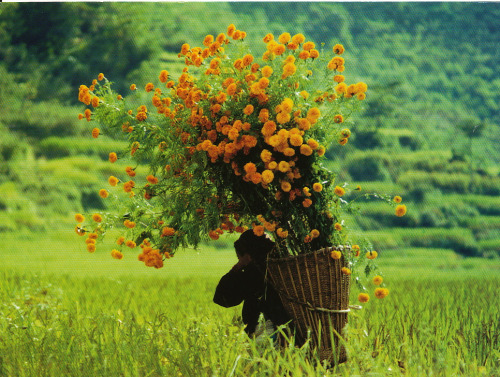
{"x":235,"y":142}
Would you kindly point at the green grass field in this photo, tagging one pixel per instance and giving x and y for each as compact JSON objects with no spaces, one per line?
{"x":65,"y":312}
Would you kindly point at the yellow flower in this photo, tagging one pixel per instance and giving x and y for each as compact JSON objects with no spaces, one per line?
{"x":89,"y":240}
{"x":371,"y":254}
{"x":284,"y":38}
{"x":289,"y":69}
{"x":346,"y":271}
{"x":283,"y":166}
{"x":400,"y":210}
{"x":381,"y":292}
{"x":317,"y":187}
{"x":363,"y":297}
{"x":133,"y":87}
{"x":283,"y":118}
{"x":116,"y":254}
{"x":267,"y":176}
{"x":313,"y":114}
{"x":377,"y":280}
{"x":345,"y":133}
{"x":314,"y":54}
{"x":313,"y":144}
{"x":308,"y":46}
{"x":279,"y":49}
{"x":267,"y":71}
{"x":298,"y":39}
{"x":286,"y":186}
{"x":163,"y":76}
{"x":103,"y":193}
{"x":96,"y":217}
{"x":361,"y":96}
{"x":335,"y":254}
{"x":129,"y":224}
{"x":315,"y":233}
{"x":248,"y":109}
{"x":338,"y":49}
{"x":341,"y":88}
{"x":338,"y":227}
{"x":321,"y":151}
{"x":113,"y":181}
{"x":339,"y":191}
{"x":79,"y":218}
{"x":306,"y":150}
{"x":397,"y":199}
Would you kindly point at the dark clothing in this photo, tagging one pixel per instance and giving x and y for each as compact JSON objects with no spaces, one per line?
{"x":250,"y":286}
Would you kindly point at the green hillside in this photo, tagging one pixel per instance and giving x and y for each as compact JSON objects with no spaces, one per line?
{"x":429,"y":131}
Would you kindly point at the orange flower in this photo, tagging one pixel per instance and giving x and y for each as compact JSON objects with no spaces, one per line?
{"x":289,"y":69}
{"x":258,"y":230}
{"x":103,"y":193}
{"x":355,"y":249}
{"x":339,"y":191}
{"x":90,"y":247}
{"x":133,"y":87}
{"x":286,"y":186}
{"x":130,"y":244}
{"x":308,"y":46}
{"x":363,"y":297}
{"x":95,"y":133}
{"x":141,"y":116}
{"x":282,"y":233}
{"x":315,"y":233}
{"x":95,"y":101}
{"x":307,"y":203}
{"x":167,"y":231}
{"x":346,"y":271}
{"x":163,"y":76}
{"x":397,"y":199}
{"x":335,"y":254}
{"x":298,"y":39}
{"x":96,"y":217}
{"x":248,"y":109}
{"x":267,"y":71}
{"x":267,"y":176}
{"x":338,"y":118}
{"x":306,"y":150}
{"x":120,"y":240}
{"x":337,"y":227}
{"x":113,"y":181}
{"x":400,"y":210}
{"x":381,"y":292}
{"x":371,"y":254}
{"x":317,"y":187}
{"x":116,"y":254}
{"x":100,"y":76}
{"x":152,"y":179}
{"x":129,"y":224}
{"x":314,"y":53}
{"x":338,"y":49}
{"x":79,"y":218}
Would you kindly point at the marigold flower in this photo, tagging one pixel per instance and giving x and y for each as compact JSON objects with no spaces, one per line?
{"x":91,"y":247}
{"x":250,"y":168}
{"x":341,"y":88}
{"x":100,"y":76}
{"x":343,"y":141}
{"x":93,"y":236}
{"x":306,"y":150}
{"x":318,"y":187}
{"x":338,"y":78}
{"x":321,"y":150}
{"x":400,"y":210}
{"x":397,"y":199}
{"x":363,"y":297}
{"x":258,"y":230}
{"x":113,"y":181}
{"x":307,"y":203}
{"x":284,"y":38}
{"x":282,"y":233}
{"x":267,"y":71}
{"x":298,"y":39}
{"x":313,"y":144}
{"x":314,"y":53}
{"x":315,"y":233}
{"x":237,"y":35}
{"x":346,"y":271}
{"x":133,"y":87}
{"x":267,"y":176}
{"x":283,"y":118}
{"x":230,"y":30}
{"x":286,"y":186}
{"x":130,"y":244}
{"x":116,"y":254}
{"x":103,"y":193}
{"x":377,"y":280}
{"x":248,"y":109}
{"x":273,"y":165}
{"x":141,"y":116}
{"x":95,"y":101}
{"x":345,"y":133}
{"x":185,"y":49}
{"x":120,"y":240}
{"x":152,"y":179}
{"x":361,"y":96}
{"x":338,"y":49}
{"x":167,"y":232}
{"x":381,"y":292}
{"x":97,"y":218}
{"x":339,"y":191}
{"x":371,"y":254}
{"x":129,"y":224}
{"x":338,"y":118}
{"x":313,"y":114}
{"x":308,"y":46}
{"x":338,"y":227}
{"x":289,"y":69}
{"x":213,"y":234}
{"x":79,"y":218}
{"x":89,"y":240}
{"x":279,"y":49}
{"x":95,"y":133}
{"x":335,"y":254}
{"x":355,"y":249}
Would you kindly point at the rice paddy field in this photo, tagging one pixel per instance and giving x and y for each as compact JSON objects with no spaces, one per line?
{"x":65,"y":312}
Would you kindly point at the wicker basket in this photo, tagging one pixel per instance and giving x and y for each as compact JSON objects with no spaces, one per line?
{"x":315,"y":293}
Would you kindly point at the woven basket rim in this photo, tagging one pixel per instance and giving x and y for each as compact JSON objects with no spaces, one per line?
{"x":304,"y":255}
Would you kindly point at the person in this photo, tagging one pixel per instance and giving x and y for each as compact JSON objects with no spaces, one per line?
{"x":246,"y":282}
